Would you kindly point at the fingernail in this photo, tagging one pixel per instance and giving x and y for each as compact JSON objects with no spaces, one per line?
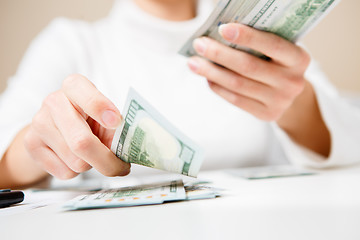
{"x":111,"y":119}
{"x":193,"y":65}
{"x":200,"y":46}
{"x":228,"y":32}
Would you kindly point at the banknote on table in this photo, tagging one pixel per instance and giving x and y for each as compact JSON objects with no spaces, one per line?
{"x":130,"y":196}
{"x":146,"y":138}
{"x":201,"y":190}
{"x":140,"y":195}
{"x":276,"y":171}
{"x":290,"y":19}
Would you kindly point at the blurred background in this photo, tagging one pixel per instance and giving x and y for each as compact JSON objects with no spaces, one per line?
{"x":335,"y":42}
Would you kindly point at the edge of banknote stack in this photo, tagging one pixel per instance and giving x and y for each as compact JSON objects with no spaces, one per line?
{"x":290,"y":20}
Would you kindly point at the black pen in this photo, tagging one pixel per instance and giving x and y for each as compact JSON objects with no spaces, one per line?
{"x":8,"y":197}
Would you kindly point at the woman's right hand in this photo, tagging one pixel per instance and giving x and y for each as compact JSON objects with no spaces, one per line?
{"x":73,"y":131}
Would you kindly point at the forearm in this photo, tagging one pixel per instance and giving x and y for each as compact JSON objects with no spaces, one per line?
{"x":17,"y":169}
{"x":304,"y":124}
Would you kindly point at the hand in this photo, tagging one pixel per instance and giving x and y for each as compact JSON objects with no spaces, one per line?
{"x":263,"y":88}
{"x":73,"y":130}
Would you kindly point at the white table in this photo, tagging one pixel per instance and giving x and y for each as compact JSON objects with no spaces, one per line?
{"x":322,"y":206}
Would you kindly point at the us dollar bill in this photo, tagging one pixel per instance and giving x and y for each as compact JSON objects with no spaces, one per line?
{"x":289,"y":19}
{"x":147,"y":138}
{"x":130,"y":196}
{"x":144,"y":194}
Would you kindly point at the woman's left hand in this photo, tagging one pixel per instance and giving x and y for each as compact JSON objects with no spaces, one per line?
{"x":266,"y":89}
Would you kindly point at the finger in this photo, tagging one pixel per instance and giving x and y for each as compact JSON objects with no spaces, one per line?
{"x":105,"y":135}
{"x":251,"y":106}
{"x":273,"y":46}
{"x":46,"y":158}
{"x":240,"y":62}
{"x":82,"y":142}
{"x":86,"y":98}
{"x":231,"y":81}
{"x":43,"y":124}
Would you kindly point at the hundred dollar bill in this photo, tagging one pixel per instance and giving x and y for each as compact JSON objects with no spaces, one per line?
{"x":146,"y":138}
{"x":290,"y":19}
{"x":144,"y":194}
{"x":130,"y":196}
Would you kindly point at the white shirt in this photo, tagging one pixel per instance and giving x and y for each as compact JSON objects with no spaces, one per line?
{"x":133,"y":48}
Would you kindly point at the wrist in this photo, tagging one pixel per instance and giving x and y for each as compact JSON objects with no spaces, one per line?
{"x":303,"y":122}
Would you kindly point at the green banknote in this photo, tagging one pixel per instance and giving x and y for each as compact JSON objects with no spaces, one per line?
{"x":146,"y":138}
{"x":144,"y":194}
{"x":130,"y":196}
{"x":290,"y":19}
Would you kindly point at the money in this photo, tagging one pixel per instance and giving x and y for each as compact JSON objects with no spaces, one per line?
{"x":146,"y":138}
{"x":130,"y":196}
{"x":290,"y":19}
{"x":150,"y":194}
{"x":275,"y":171}
{"x":201,"y":190}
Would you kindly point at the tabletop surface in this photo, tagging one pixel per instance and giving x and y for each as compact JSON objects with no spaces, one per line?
{"x":321,"y":206}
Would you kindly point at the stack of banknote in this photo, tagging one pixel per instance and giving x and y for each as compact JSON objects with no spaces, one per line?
{"x":290,"y":19}
{"x":149,"y":194}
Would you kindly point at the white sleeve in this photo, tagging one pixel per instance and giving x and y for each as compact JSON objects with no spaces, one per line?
{"x":342,"y":120}
{"x":48,"y":60}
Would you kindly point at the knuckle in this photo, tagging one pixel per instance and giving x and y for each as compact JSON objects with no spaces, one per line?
{"x":80,"y":143}
{"x":39,"y":122}
{"x":246,"y":35}
{"x":236,"y":82}
{"x":97,"y":102}
{"x":236,"y":100}
{"x":248,"y":66}
{"x":29,"y":141}
{"x":79,"y":166}
{"x":206,"y":68}
{"x":213,"y":51}
{"x":277,"y":44}
{"x":212,"y":76}
{"x":51,"y":100}
{"x":72,"y":80}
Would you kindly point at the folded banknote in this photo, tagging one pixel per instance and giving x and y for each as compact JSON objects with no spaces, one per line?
{"x":147,"y":138}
